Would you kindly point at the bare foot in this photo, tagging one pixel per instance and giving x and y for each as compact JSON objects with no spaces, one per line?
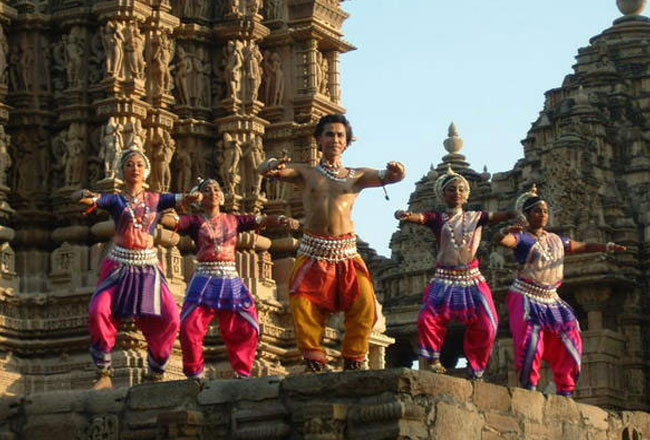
{"x":103,"y":383}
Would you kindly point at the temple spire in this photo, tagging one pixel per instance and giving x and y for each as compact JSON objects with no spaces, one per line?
{"x":631,"y":7}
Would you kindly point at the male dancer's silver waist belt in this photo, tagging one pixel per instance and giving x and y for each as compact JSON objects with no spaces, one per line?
{"x":545,"y":294}
{"x":224,"y":269}
{"x":328,"y":249}
{"x":459,"y":277}
{"x":134,"y":257}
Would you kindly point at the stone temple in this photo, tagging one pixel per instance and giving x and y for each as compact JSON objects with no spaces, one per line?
{"x":211,"y":88}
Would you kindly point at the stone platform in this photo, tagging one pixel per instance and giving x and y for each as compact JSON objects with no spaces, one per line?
{"x":370,"y":405}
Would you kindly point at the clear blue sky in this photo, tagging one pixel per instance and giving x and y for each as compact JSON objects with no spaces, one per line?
{"x":421,"y":64}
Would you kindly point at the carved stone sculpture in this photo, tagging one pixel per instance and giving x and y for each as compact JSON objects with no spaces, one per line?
{"x":201,"y":84}
{"x":231,"y":155}
{"x":253,"y":7}
{"x":5,"y":159}
{"x":75,"y":158}
{"x":111,"y":146}
{"x":162,"y":148}
{"x":253,"y":157}
{"x":73,"y":45}
{"x":183,"y":79}
{"x":234,"y":63}
{"x":133,"y":52}
{"x":161,"y":54}
{"x":277,"y":90}
{"x":113,"y":40}
{"x":253,"y":75}
{"x":184,"y":170}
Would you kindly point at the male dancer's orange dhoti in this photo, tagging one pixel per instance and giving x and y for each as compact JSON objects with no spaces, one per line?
{"x":330,"y":276}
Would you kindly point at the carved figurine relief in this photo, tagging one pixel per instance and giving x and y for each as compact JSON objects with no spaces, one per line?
{"x":229,"y":168}
{"x":113,"y":41}
{"x":160,"y":54}
{"x":233,"y":71}
{"x":273,"y":89}
{"x":74,"y":156}
{"x":201,"y":81}
{"x":253,"y":157}
{"x":253,"y":7}
{"x":162,"y":148}
{"x":111,"y":146}
{"x":133,"y":52}
{"x":5,"y":159}
{"x":73,"y":56}
{"x":183,"y":78}
{"x":252,"y":70}
{"x":184,"y":170}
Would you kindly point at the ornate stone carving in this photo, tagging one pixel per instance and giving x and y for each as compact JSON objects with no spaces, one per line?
{"x":5,"y":159}
{"x":161,"y":53}
{"x":253,"y":157}
{"x":231,"y":154}
{"x":252,"y":70}
{"x":74,"y":57}
{"x":183,"y":77}
{"x":234,"y":64}
{"x":112,"y":145}
{"x":74,"y":156}
{"x":133,"y":52}
{"x":113,"y":38}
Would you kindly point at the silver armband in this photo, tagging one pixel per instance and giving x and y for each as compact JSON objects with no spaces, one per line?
{"x":382,"y":174}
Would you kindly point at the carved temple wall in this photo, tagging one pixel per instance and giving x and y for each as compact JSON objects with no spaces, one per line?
{"x":589,"y":153}
{"x":206,"y":89}
{"x":388,"y":404}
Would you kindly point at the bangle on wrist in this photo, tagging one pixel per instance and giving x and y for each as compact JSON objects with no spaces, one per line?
{"x":609,"y":247}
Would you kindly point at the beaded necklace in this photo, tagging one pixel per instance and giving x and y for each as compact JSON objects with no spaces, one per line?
{"x":132,"y":203}
{"x":212,"y":232}
{"x":544,"y":247}
{"x":465,"y":233}
{"x":331,"y":172}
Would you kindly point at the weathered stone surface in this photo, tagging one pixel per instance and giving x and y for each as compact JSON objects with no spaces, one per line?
{"x":502,"y":424}
{"x":9,"y":407}
{"x":397,"y":404}
{"x":432,"y":383}
{"x":453,"y":422}
{"x":53,"y":426}
{"x":51,"y":403}
{"x":559,"y":408}
{"x":105,"y":401}
{"x":529,"y":404}
{"x":594,"y":416}
{"x":350,"y":383}
{"x":216,"y":392}
{"x":488,"y":396}
{"x":162,"y":395}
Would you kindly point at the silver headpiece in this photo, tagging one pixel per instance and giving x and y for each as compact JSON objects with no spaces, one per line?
{"x":445,"y":179}
{"x":130,"y":152}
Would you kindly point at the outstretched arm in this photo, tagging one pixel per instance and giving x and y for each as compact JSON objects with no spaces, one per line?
{"x":279,"y":168}
{"x":578,"y":247}
{"x":409,"y":217}
{"x":506,"y":238}
{"x":394,"y":172}
{"x":280,"y":220}
{"x":85,"y":197}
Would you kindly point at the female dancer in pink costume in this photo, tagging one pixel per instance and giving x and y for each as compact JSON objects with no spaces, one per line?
{"x":131,"y":284}
{"x":543,"y":326}
{"x":216,"y":289}
{"x":457,"y":290}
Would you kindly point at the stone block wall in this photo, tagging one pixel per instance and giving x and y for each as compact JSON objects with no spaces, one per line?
{"x":379,"y":404}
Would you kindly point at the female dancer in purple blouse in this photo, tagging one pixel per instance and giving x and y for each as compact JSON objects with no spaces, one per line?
{"x":543,"y":326}
{"x":131,"y":283}
{"x":457,"y":290}
{"x":216,"y":289}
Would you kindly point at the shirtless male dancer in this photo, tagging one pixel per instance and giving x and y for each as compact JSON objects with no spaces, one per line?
{"x":329,"y":275}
